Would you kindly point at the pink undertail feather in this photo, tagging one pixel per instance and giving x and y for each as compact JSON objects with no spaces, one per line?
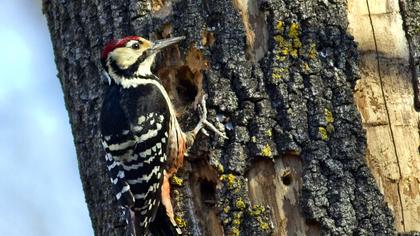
{"x":166,"y":199}
{"x":176,"y":152}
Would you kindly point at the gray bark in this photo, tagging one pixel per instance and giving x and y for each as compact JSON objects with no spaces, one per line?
{"x":284,"y":99}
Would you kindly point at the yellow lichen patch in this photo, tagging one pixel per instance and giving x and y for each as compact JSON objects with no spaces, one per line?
{"x":236,"y":222}
{"x":280,"y":40}
{"x":235,"y":231}
{"x":296,"y":43}
{"x":240,"y":204}
{"x":177,"y":181}
{"x":284,"y":45}
{"x":180,"y":222}
{"x":269,"y":133}
{"x":323,"y":132}
{"x":290,"y":46}
{"x":257,"y":210}
{"x":220,"y":168}
{"x":276,"y":76}
{"x":230,"y":180}
{"x":278,"y":73}
{"x":328,"y":116}
{"x":253,"y":139}
{"x":237,"y":216}
{"x":263,"y":225}
{"x":280,"y":58}
{"x":279,"y":25}
{"x":226,"y":209}
{"x":266,"y":151}
{"x":294,"y":53}
{"x":294,"y":30}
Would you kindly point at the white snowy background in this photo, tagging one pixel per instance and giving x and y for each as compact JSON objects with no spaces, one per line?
{"x":40,"y":189}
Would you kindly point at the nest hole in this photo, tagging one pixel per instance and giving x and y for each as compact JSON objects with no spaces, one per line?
{"x":208,"y":192}
{"x":185,"y":87}
{"x":287,"y":179}
{"x":180,"y":83}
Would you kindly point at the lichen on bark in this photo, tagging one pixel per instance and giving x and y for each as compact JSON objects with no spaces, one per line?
{"x":290,"y":92}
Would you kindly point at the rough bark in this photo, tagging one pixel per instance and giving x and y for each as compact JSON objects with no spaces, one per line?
{"x":279,"y":75}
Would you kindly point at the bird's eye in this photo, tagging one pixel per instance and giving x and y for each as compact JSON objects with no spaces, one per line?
{"x":135,"y":46}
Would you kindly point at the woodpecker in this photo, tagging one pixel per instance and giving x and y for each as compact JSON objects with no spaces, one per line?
{"x":143,"y":141}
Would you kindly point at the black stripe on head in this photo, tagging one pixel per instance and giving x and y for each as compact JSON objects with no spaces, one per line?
{"x":129,"y":72}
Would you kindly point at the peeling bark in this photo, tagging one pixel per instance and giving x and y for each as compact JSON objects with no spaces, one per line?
{"x":295,"y":158}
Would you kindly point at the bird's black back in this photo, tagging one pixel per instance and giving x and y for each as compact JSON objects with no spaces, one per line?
{"x":134,"y":124}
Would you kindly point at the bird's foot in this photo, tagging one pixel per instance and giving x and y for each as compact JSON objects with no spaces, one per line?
{"x":204,"y":123}
{"x":202,"y":126}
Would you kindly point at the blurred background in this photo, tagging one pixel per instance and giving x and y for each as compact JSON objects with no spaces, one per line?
{"x":41,"y":192}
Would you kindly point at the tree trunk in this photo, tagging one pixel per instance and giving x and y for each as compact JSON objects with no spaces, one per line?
{"x":386,"y":100}
{"x":280,"y":76}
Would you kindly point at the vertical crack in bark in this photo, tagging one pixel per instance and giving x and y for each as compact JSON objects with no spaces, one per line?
{"x":387,"y":114}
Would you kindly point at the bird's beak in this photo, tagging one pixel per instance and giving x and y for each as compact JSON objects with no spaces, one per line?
{"x":163,"y":43}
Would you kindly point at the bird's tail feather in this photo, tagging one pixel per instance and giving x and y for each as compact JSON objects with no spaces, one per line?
{"x":162,"y":226}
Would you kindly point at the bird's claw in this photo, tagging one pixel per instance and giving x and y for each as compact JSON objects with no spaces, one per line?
{"x":204,"y":123}
{"x":205,"y":132}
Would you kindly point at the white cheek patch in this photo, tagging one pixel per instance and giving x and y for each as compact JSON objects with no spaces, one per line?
{"x":144,"y":67}
{"x":125,"y":57}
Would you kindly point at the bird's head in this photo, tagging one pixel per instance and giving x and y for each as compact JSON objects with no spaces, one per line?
{"x":132,"y":56}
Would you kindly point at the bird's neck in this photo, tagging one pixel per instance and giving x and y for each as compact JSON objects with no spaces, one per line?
{"x":144,"y":67}
{"x":138,"y":80}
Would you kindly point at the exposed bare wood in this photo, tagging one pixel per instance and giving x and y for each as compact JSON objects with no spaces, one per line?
{"x":385,"y":98}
